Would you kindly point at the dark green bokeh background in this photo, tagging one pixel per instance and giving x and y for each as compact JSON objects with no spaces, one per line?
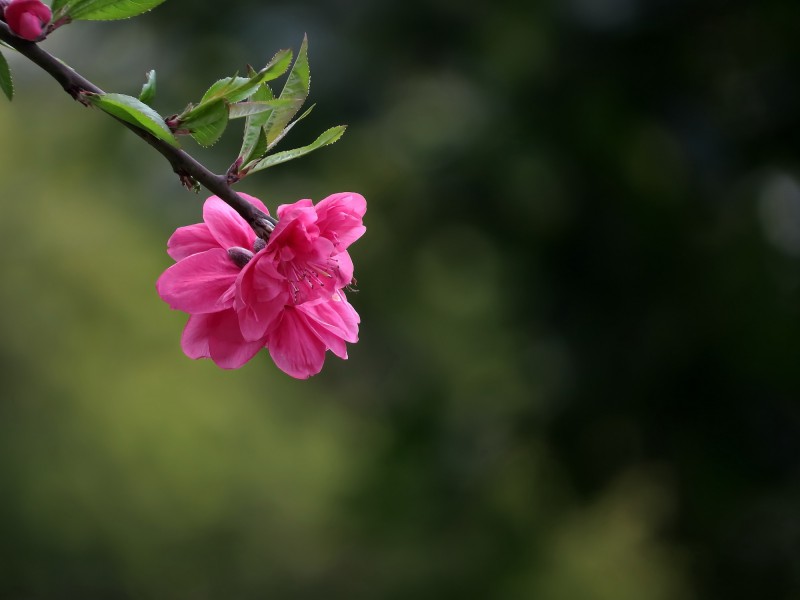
{"x":580,"y":297}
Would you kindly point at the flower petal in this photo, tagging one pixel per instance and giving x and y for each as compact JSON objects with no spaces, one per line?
{"x":295,"y":232}
{"x":227,"y":348}
{"x":227,"y":227}
{"x":30,"y":27}
{"x":295,"y":210}
{"x":190,"y":240}
{"x":344,"y":271}
{"x":261,"y":294}
{"x":334,"y":317}
{"x":194,"y":340}
{"x":340,"y":218}
{"x":294,"y":347}
{"x":199,"y":283}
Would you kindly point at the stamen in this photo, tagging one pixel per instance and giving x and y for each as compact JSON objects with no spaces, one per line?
{"x":307,"y":276}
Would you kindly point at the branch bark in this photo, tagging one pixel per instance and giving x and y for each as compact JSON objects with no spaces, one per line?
{"x":186,"y":167}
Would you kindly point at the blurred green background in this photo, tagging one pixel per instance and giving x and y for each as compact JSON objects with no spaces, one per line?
{"x":580,"y":297}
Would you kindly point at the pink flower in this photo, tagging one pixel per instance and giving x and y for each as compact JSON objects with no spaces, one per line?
{"x":286,"y":294}
{"x":308,"y":252}
{"x":210,"y":257}
{"x":27,"y":18}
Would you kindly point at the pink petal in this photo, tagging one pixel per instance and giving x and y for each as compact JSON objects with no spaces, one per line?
{"x":344,"y":274}
{"x":297,"y":210}
{"x":216,"y":336}
{"x":227,"y":348}
{"x":190,"y":240}
{"x":227,"y":227}
{"x":340,"y":218}
{"x":333,"y":317}
{"x":194,"y":340}
{"x":261,"y":294}
{"x":199,"y":283}
{"x":294,"y":347}
{"x":295,"y":232}
{"x":30,"y":27}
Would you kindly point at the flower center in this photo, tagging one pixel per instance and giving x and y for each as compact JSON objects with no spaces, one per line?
{"x":308,"y":277}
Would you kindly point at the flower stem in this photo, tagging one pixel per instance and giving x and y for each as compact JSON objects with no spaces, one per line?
{"x":187,"y":168}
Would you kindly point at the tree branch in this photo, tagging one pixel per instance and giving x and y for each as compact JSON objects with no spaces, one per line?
{"x":187,"y":168}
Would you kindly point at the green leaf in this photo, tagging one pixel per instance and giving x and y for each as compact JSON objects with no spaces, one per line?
{"x":206,"y":122}
{"x":283,"y":133}
{"x":207,"y":135}
{"x":258,"y":150}
{"x":131,"y":110}
{"x":149,"y":88}
{"x":254,"y":142}
{"x":277,"y":66}
{"x":274,"y":69}
{"x":203,"y":114}
{"x":5,"y":78}
{"x":235,"y":89}
{"x":102,"y":10}
{"x":328,"y":137}
{"x":295,"y":89}
{"x":246,"y":109}
{"x":222,"y":87}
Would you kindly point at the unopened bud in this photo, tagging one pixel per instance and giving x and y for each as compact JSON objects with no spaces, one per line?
{"x":240,"y":256}
{"x":27,"y":18}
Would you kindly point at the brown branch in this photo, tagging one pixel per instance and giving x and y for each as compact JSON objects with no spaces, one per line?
{"x":187,"y":168}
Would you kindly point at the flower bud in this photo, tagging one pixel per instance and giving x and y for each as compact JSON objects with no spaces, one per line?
{"x":240,"y":256}
{"x":27,"y":18}
{"x":259,"y":245}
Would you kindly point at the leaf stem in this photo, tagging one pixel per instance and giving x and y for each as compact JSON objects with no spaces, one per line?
{"x":185,"y":166}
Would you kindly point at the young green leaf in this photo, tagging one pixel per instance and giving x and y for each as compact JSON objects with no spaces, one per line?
{"x":102,"y":10}
{"x":295,"y":89}
{"x":203,"y":114}
{"x":206,"y":122}
{"x":131,"y":110}
{"x":149,"y":88}
{"x":207,"y":135}
{"x":328,"y":137}
{"x":222,"y":87}
{"x":258,"y":150}
{"x":283,"y":133}
{"x":235,"y":89}
{"x":254,"y":143}
{"x":274,"y":69}
{"x":246,"y":109}
{"x":5,"y":78}
{"x":276,"y":66}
